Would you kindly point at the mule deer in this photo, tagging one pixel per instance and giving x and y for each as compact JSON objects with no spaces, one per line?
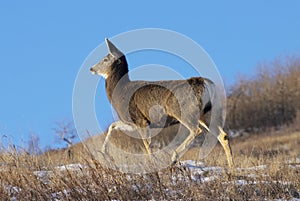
{"x":188,"y":102}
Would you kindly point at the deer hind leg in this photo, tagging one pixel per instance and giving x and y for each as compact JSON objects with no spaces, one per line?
{"x":223,"y":139}
{"x":118,"y":125}
{"x":189,"y":140}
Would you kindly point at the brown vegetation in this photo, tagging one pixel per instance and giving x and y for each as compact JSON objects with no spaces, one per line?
{"x":269,"y":100}
{"x":275,"y":175}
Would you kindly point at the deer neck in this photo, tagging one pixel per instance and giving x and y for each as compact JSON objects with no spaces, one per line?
{"x":117,"y":79}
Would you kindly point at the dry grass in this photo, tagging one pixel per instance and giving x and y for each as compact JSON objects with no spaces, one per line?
{"x":27,"y":177}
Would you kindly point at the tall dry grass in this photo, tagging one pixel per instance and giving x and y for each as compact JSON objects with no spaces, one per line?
{"x":276,"y":176}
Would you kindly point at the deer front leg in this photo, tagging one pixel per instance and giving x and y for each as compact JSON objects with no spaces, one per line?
{"x":105,"y":143}
{"x":147,"y":143}
{"x":146,"y":138}
{"x":223,"y":139}
{"x":118,"y":125}
{"x":145,"y":133}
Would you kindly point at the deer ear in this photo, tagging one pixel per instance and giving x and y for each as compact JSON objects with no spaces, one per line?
{"x":113,"y":49}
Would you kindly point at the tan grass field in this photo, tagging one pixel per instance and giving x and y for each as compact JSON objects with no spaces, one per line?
{"x":267,"y":167}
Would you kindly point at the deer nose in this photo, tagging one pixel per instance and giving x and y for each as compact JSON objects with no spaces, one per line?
{"x":92,"y":71}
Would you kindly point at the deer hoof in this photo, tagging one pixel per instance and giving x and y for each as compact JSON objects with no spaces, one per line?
{"x":174,"y":158}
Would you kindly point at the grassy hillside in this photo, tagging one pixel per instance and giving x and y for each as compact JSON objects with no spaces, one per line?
{"x":267,"y":167}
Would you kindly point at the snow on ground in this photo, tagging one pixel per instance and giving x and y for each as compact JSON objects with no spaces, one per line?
{"x":199,"y":173}
{"x":74,"y":167}
{"x":294,"y":163}
{"x":254,"y":168}
{"x":44,"y":175}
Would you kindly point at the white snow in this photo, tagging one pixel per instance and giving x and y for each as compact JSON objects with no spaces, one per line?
{"x":254,"y":168}
{"x":76,"y":166}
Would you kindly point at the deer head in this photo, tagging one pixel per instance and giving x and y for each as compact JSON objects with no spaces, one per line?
{"x":110,"y":61}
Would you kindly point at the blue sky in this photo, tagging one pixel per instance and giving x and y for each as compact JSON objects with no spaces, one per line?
{"x":43,"y":44}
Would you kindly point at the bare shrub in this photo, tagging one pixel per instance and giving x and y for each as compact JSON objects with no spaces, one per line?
{"x":268,"y":100}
